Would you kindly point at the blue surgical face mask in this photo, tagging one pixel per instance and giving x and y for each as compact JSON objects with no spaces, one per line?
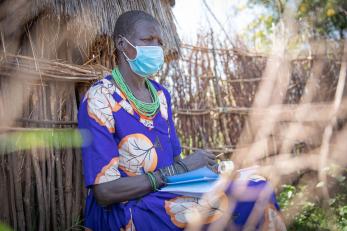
{"x":148,"y":60}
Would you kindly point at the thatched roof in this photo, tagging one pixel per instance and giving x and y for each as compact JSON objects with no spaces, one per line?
{"x":87,"y":18}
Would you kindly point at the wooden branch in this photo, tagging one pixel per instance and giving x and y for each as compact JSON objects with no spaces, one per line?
{"x":28,"y":190}
{"x":209,"y":149}
{"x":287,"y":112}
{"x":30,"y":68}
{"x":12,"y":198}
{"x":38,"y":180}
{"x":17,"y":169}
{"x":47,"y":122}
{"x":245,"y":53}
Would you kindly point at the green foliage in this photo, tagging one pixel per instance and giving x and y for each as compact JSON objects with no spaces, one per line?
{"x":312,"y":215}
{"x":316,"y":18}
{"x":285,"y":197}
{"x":41,"y":138}
{"x":4,"y":227}
{"x":328,"y":18}
{"x":260,"y":30}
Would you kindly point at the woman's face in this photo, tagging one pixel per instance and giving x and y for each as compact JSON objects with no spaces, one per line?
{"x":145,"y":33}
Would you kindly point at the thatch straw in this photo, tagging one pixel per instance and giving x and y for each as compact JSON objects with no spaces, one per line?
{"x":68,"y":29}
{"x":102,"y":15}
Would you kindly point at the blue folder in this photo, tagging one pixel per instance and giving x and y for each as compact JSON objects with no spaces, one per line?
{"x":200,"y":174}
{"x":194,"y":183}
{"x":197,"y":182}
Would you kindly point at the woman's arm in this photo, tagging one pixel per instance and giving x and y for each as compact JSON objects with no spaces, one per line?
{"x":128,"y":188}
{"x":123,"y":189}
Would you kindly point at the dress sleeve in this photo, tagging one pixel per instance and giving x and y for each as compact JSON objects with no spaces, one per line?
{"x":97,"y":126}
{"x":176,"y":145}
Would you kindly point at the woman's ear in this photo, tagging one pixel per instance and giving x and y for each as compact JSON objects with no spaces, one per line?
{"x":120,"y":44}
{"x":125,"y":47}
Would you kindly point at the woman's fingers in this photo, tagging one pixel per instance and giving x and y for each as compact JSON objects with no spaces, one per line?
{"x":211,"y":155}
{"x":211,"y":162}
{"x":199,"y":159}
{"x":207,"y":153}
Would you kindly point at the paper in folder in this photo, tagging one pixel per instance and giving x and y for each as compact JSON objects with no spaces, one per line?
{"x":194,"y":183}
{"x":200,"y":181}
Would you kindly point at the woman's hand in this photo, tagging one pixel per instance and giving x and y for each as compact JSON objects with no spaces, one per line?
{"x":199,"y":159}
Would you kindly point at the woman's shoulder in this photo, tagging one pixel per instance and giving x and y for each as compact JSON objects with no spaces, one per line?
{"x":104,"y":87}
{"x":105,"y":84}
{"x":101,"y":94}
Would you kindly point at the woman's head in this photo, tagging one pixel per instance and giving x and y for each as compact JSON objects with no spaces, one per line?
{"x":137,"y":28}
{"x":138,"y":40}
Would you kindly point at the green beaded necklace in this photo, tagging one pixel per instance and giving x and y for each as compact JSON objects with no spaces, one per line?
{"x":146,"y":109}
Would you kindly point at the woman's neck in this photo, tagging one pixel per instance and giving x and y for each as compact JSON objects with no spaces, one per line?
{"x":134,"y":82}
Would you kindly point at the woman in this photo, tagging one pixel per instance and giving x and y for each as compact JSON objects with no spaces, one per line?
{"x":131,"y":145}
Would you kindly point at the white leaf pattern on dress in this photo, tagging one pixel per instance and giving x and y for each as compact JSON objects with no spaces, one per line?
{"x":101,"y":103}
{"x":126,"y":106}
{"x":179,"y":208}
{"x":146,"y":122}
{"x":163,"y":105}
{"x":109,"y":172}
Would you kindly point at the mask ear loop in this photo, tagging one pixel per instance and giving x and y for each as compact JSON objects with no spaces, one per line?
{"x":130,"y":45}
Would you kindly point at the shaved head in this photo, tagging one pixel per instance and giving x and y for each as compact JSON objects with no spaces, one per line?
{"x":126,"y":22}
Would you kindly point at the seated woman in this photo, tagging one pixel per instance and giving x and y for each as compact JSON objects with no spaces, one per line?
{"x":131,"y":146}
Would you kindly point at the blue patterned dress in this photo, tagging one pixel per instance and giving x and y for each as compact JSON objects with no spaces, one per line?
{"x":119,"y":142}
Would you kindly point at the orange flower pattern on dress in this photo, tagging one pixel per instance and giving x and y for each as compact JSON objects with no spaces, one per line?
{"x":130,"y":226}
{"x":137,"y":154}
{"x":211,"y":209}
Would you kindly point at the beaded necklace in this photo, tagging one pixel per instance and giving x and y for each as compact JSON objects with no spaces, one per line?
{"x":146,"y":109}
